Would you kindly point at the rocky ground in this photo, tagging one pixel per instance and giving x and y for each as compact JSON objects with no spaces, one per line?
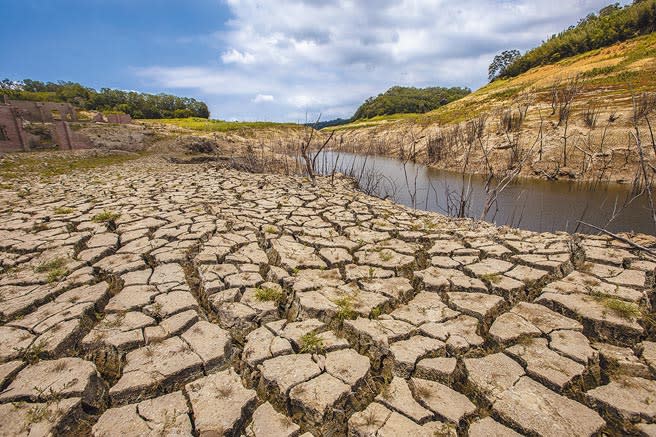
{"x":160,"y":299}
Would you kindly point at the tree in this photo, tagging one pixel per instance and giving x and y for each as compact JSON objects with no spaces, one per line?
{"x":501,"y":62}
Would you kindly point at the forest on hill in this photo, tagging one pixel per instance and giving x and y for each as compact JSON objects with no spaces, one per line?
{"x":611,"y":25}
{"x":137,"y":104}
{"x":403,"y":100}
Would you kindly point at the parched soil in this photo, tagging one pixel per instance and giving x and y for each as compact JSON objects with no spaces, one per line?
{"x":149,"y":298}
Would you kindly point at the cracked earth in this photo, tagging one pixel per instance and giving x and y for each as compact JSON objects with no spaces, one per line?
{"x":155,"y":299}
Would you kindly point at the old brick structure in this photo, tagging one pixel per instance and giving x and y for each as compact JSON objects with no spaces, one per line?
{"x":12,"y":136}
{"x":27,"y":125}
{"x":44,"y":112}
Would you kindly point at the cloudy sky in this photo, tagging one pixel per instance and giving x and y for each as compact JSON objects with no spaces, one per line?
{"x":272,"y":59}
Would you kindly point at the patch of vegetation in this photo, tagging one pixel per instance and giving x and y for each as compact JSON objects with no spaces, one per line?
{"x":53,"y":264}
{"x":56,"y":275}
{"x":55,"y":268}
{"x":385,"y":256}
{"x":376,"y":312}
{"x":63,"y":210}
{"x":107,"y":100}
{"x":493,"y":278}
{"x":404,"y":100}
{"x":346,"y":308}
{"x":311,"y":343}
{"x":598,"y":71}
{"x":506,"y":93}
{"x":31,"y":164}
{"x":611,"y":25}
{"x":623,"y":309}
{"x":105,"y":216}
{"x":205,"y":125}
{"x":267,"y":294}
{"x":39,"y":413}
{"x":32,"y":354}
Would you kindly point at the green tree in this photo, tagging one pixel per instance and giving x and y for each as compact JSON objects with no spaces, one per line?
{"x":500,"y":62}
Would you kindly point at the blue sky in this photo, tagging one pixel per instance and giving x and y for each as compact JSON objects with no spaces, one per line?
{"x":272,"y":59}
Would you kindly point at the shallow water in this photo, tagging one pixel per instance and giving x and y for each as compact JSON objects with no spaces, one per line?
{"x":532,"y":204}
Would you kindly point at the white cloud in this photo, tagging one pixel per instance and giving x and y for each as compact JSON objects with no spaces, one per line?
{"x":261,"y":98}
{"x":327,"y":57}
{"x":233,"y":56}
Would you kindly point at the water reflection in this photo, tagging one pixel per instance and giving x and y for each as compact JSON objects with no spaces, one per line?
{"x":536,"y":205}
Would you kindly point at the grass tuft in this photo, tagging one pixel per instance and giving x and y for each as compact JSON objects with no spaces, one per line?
{"x":311,"y":343}
{"x":105,"y":216}
{"x":266,"y":294}
{"x":346,"y":308}
{"x":63,"y":210}
{"x":493,"y":278}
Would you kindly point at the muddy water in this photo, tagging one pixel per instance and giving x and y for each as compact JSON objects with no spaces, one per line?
{"x":531,"y":204}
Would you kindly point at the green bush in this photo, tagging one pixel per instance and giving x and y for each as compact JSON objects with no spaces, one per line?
{"x":408,"y":100}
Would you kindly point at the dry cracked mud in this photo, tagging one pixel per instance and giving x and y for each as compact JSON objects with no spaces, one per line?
{"x":160,"y":299}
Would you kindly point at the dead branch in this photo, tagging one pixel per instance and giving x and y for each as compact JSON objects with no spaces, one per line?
{"x":619,"y":238}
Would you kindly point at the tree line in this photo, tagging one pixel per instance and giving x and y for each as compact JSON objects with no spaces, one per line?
{"x":399,"y":100}
{"x":137,"y":104}
{"x":611,"y":25}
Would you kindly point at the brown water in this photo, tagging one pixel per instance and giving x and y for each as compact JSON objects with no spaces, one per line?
{"x":532,"y":204}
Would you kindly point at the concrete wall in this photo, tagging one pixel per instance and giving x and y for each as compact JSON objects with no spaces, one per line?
{"x":12,"y":138}
{"x":55,"y":118}
{"x":44,"y":112}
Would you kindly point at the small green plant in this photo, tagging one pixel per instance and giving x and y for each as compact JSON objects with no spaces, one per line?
{"x":385,"y":256}
{"x":493,"y":278}
{"x":39,"y":413}
{"x":267,"y":294}
{"x":55,"y":268}
{"x":105,"y":216}
{"x":56,"y":275}
{"x":311,"y":343}
{"x":346,"y":309}
{"x":63,"y":210}
{"x":53,"y":264}
{"x":269,"y":229}
{"x":376,"y":312}
{"x":32,"y":354}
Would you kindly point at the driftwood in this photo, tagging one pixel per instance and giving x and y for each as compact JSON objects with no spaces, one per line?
{"x":622,"y":239}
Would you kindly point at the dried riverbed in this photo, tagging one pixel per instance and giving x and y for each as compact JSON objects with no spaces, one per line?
{"x":159,"y":299}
